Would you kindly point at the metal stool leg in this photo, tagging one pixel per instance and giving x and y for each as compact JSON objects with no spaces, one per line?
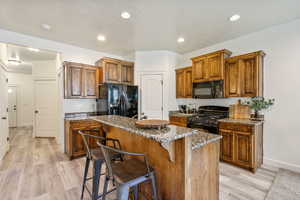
{"x":123,"y":192}
{"x":105,"y":188}
{"x":87,"y":165}
{"x":136,"y":192}
{"x":154,"y":189}
{"x":96,"y":178}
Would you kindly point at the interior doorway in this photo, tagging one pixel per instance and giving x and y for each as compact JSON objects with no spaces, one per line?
{"x":12,"y":106}
{"x":46,"y":108}
{"x":151,"y":93}
{"x":32,"y":77}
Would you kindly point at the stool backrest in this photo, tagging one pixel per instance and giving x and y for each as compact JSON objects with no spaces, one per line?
{"x":108,"y":151}
{"x":85,"y":138}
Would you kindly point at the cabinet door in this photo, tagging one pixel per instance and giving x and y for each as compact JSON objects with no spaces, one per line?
{"x":112,"y":71}
{"x":243,"y":149}
{"x":188,"y":85}
{"x":77,"y":144}
{"x":232,"y":79}
{"x":227,"y":145}
{"x":180,"y":84}
{"x":127,"y":74}
{"x":249,"y":80}
{"x":199,"y":70}
{"x":214,"y":67}
{"x":91,"y":82}
{"x":74,"y":81}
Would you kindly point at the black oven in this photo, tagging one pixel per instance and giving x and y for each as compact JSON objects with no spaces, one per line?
{"x":208,"y":90}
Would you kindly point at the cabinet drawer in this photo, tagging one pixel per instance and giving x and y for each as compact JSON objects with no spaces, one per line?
{"x":236,"y":127}
{"x":178,"y":120}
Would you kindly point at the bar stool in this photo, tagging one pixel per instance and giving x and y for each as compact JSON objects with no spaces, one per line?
{"x":97,"y":157}
{"x":127,"y":174}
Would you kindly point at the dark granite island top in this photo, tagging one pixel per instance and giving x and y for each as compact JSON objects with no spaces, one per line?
{"x":186,"y":161}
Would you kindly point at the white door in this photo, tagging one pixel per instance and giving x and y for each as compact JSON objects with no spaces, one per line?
{"x":152,"y":95}
{"x":3,"y":114}
{"x":46,"y":109}
{"x":12,"y":106}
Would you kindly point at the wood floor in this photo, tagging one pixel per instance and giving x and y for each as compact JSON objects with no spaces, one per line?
{"x":36,"y":169}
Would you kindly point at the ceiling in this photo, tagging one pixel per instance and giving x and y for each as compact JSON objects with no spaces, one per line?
{"x":154,"y":25}
{"x":15,"y":52}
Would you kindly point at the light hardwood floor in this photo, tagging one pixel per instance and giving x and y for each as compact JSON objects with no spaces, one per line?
{"x":36,"y":169}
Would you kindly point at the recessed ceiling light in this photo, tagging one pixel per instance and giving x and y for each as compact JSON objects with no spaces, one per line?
{"x":235,"y":17}
{"x":33,"y":49}
{"x":125,"y":15}
{"x":14,"y":61}
{"x":101,"y":38}
{"x":46,"y":27}
{"x":180,"y":40}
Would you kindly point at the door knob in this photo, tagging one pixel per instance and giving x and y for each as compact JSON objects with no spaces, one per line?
{"x":36,"y":112}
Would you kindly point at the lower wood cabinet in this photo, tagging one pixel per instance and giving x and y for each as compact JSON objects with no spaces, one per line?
{"x":178,"y":121}
{"x":242,"y":145}
{"x":74,"y":145}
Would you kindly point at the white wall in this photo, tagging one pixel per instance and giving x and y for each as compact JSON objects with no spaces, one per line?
{"x":159,"y":62}
{"x":44,"y":69}
{"x":24,"y":83}
{"x":67,"y":53}
{"x":282,"y":47}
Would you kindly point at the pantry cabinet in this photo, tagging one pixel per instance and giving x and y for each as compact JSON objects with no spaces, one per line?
{"x":80,"y":80}
{"x":116,"y":71}
{"x":209,"y":67}
{"x":244,"y":75}
{"x":184,"y":84}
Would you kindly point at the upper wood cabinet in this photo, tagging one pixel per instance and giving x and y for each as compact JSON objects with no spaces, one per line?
{"x":209,"y":67}
{"x":244,"y":75}
{"x":116,"y":71}
{"x":184,"y":85}
{"x":81,"y":81}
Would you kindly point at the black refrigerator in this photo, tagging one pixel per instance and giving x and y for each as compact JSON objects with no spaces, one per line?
{"x":118,"y":99}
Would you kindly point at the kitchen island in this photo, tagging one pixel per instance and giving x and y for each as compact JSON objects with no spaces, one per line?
{"x":186,"y":161}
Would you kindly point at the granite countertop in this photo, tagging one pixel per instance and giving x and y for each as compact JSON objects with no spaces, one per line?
{"x":81,"y":115}
{"x":241,"y":121}
{"x":179,"y":114}
{"x":164,"y":136}
{"x":203,"y":138}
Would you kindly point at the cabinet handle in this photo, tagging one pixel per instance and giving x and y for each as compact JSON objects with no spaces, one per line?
{"x":4,"y":118}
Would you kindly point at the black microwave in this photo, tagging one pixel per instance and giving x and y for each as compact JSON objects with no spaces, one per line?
{"x":208,"y":90}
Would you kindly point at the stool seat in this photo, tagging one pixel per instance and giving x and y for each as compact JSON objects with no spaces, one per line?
{"x":128,"y":170}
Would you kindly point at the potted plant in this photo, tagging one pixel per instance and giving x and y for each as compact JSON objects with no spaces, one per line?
{"x":258,"y":104}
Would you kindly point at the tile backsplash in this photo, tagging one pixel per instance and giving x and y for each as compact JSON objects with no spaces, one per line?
{"x":206,"y":102}
{"x":79,"y":105}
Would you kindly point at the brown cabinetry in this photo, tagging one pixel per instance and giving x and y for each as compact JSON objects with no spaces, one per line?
{"x":81,"y":81}
{"x":73,"y":141}
{"x":116,"y":71}
{"x":184,"y":84}
{"x":242,"y":144}
{"x":209,"y":67}
{"x":179,"y":121}
{"x":244,"y":75}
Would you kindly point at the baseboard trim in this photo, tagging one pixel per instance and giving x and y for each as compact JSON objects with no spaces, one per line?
{"x":281,"y":164}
